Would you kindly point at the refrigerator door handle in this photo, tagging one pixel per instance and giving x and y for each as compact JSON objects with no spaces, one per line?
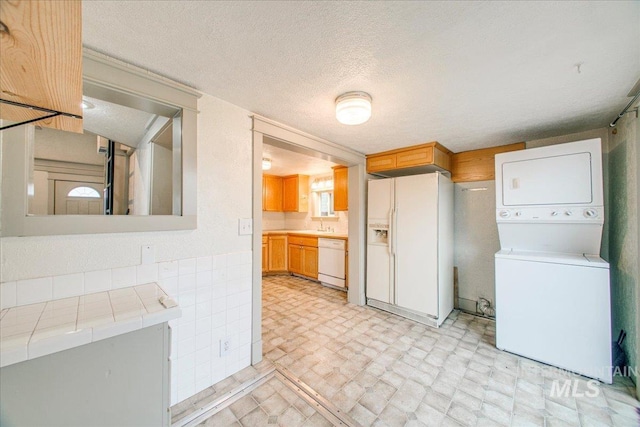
{"x":394,"y":288}
{"x":390,"y":232}
{"x":394,"y":225}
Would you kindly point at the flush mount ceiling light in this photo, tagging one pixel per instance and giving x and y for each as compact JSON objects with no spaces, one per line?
{"x":266,"y":164}
{"x":353,"y":108}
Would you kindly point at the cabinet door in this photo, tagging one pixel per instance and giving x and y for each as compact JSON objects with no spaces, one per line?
{"x":416,"y":157}
{"x":290,"y":193}
{"x":277,"y":253}
{"x":383,"y":162}
{"x":295,"y":259}
{"x":271,"y":193}
{"x":340,"y":188}
{"x":295,"y":189}
{"x":310,"y":261}
{"x":265,"y":257}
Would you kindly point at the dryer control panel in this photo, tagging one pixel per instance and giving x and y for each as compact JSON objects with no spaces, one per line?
{"x":555,"y":214}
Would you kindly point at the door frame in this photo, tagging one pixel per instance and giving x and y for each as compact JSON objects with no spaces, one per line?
{"x":302,"y":142}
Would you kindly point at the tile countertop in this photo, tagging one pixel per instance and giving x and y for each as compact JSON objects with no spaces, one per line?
{"x":312,"y":233}
{"x":35,"y":330}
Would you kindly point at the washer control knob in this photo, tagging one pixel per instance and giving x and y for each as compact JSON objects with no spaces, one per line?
{"x":590,"y":213}
{"x":568,"y":213}
{"x":518,"y":213}
{"x":554,"y":213}
{"x":505,"y":214}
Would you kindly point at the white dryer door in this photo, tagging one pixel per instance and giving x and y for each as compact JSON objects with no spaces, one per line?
{"x":554,"y":180}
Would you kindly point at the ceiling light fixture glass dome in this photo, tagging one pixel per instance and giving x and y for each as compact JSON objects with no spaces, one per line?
{"x":353,"y":108}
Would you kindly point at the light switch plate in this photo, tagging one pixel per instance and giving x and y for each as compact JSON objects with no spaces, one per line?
{"x":148,"y":254}
{"x":245,"y":226}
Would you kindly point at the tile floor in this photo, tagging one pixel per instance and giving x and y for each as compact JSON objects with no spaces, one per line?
{"x":271,"y":404}
{"x":384,"y":370}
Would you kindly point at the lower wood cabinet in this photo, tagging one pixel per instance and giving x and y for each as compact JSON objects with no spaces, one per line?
{"x":310,"y":261}
{"x":303,"y":260}
{"x":265,"y":254}
{"x":293,"y":254}
{"x":303,"y":256}
{"x":277,"y":247}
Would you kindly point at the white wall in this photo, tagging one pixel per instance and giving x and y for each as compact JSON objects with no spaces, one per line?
{"x":623,"y":226}
{"x":476,"y":240}
{"x":39,"y":203}
{"x":67,"y":146}
{"x":273,"y":220}
{"x":211,"y":263}
{"x":141,"y":175}
{"x":162,"y":181}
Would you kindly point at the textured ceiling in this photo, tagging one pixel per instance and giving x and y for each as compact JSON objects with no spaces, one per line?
{"x":286,"y":162}
{"x":117,"y":122}
{"x":467,"y":74}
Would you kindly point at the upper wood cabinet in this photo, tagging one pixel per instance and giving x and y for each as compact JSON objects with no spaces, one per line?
{"x":295,"y":189}
{"x":41,"y":61}
{"x":478,"y":165}
{"x":271,"y":193}
{"x":422,"y":158}
{"x":340,"y":188}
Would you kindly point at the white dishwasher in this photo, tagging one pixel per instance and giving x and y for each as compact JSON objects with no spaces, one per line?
{"x":331,"y":257}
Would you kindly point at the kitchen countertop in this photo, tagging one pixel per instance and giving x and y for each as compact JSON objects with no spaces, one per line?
{"x":35,"y":330}
{"x":309,"y":233}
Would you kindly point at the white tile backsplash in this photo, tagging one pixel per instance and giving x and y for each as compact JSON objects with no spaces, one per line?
{"x":146,"y":273}
{"x":97,"y":281}
{"x":7,"y":294}
{"x":187,"y":266}
{"x":204,"y":279}
{"x":168,"y":269}
{"x":123,"y":277}
{"x":219,"y":262}
{"x":31,"y":291}
{"x":186,"y":283}
{"x":214,"y":294}
{"x":68,"y":285}
{"x":204,"y":264}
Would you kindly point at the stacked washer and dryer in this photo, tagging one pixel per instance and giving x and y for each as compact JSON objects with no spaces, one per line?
{"x":552,"y":288}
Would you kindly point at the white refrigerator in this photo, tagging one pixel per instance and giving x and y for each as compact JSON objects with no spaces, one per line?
{"x":410,"y":246}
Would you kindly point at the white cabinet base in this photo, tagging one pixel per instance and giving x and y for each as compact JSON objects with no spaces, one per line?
{"x":119,"y":381}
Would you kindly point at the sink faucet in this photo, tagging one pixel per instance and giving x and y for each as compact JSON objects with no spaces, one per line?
{"x":321,"y":225}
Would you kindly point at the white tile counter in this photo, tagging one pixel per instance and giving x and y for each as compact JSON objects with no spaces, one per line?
{"x":35,"y":330}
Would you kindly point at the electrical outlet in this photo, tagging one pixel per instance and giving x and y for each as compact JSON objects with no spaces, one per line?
{"x":245,"y":226}
{"x":225,"y":346}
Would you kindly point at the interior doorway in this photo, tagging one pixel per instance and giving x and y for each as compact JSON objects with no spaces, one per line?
{"x":271,"y":133}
